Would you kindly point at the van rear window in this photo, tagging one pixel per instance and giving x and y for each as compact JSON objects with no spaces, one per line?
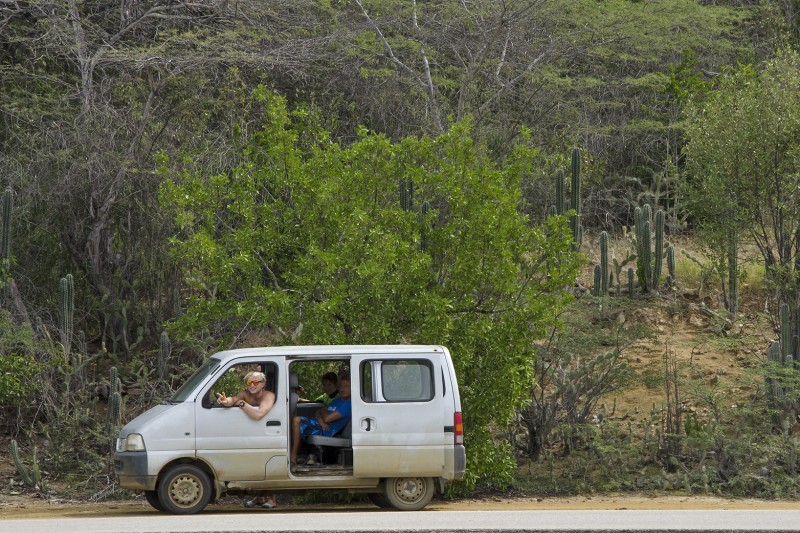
{"x":402,"y":380}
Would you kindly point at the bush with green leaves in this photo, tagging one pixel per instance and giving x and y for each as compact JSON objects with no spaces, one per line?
{"x":308,"y":236}
{"x":20,"y":368}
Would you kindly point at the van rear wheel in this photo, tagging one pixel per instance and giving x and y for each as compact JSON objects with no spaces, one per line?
{"x":379,"y":499}
{"x":409,"y":493}
{"x":184,"y":489}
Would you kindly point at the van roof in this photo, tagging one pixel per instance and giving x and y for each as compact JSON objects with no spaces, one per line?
{"x":332,"y":350}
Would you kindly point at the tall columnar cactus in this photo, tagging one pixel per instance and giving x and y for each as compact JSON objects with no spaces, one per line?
{"x":177,"y":310}
{"x":114,"y":412}
{"x":425,"y":226}
{"x":780,"y":392}
{"x":575,"y":200}
{"x":165,"y":348}
{"x":596,"y":288}
{"x":406,"y":194}
{"x":30,"y":476}
{"x":786,"y":332}
{"x":630,"y":282}
{"x":658,"y":250}
{"x":604,"y":263}
{"x":671,"y":262}
{"x":560,"y":193}
{"x":649,"y":260}
{"x":733,"y":274}
{"x":67,"y":290}
{"x":5,"y":240}
{"x":5,"y":229}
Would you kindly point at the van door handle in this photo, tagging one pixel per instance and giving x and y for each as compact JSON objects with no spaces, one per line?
{"x":369,"y":424}
{"x":273,"y":422}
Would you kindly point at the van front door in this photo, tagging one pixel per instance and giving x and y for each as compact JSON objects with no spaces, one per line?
{"x":398,"y":421}
{"x":235,"y":445}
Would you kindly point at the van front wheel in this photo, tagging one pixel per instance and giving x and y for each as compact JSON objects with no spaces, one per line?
{"x":152,"y":498}
{"x":409,"y":493}
{"x":184,"y":489}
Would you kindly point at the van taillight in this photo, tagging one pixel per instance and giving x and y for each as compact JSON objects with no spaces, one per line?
{"x":458,"y":423}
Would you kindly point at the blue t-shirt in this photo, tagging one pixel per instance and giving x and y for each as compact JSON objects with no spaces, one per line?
{"x":342,"y":407}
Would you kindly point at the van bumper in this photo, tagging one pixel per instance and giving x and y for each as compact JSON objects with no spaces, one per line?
{"x":131,"y":470}
{"x":460,"y":462}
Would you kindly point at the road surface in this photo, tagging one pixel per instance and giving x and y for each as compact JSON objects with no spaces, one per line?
{"x":391,"y":521}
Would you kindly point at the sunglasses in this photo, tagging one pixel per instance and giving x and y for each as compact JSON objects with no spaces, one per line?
{"x":251,"y":382}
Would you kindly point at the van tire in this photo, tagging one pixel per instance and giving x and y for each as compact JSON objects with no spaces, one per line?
{"x":152,"y":498}
{"x":184,"y":489}
{"x":379,"y":499}
{"x":409,"y":493}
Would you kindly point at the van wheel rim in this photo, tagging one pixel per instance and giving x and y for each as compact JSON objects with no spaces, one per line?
{"x":409,"y":489}
{"x":186,"y":490}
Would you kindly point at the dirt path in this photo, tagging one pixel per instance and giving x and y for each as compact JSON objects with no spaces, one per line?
{"x":29,"y":507}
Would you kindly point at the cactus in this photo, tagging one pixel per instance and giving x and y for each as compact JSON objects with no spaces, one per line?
{"x":630,"y":282}
{"x":733,"y":276}
{"x":423,"y":236}
{"x":597,"y":281}
{"x":560,"y":198}
{"x":647,"y":230}
{"x":575,"y":200}
{"x":604,"y":263}
{"x":406,"y":194}
{"x":5,"y":228}
{"x":165,"y":348}
{"x":781,"y":353}
{"x":5,"y":240}
{"x":30,"y":476}
{"x":658,"y":251}
{"x":786,"y":332}
{"x":114,"y":412}
{"x":177,"y":310}
{"x":67,"y":289}
{"x":671,"y":263}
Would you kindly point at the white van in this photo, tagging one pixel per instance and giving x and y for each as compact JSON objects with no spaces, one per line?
{"x":404,"y":436}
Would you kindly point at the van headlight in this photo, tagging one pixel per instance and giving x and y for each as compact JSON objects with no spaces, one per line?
{"x":132,"y":443}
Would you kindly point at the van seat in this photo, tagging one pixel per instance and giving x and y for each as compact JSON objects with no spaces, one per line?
{"x":343,"y":439}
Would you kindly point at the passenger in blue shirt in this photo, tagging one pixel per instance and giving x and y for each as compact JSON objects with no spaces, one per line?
{"x":329,"y":420}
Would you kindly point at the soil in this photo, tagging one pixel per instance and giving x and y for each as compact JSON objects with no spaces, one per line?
{"x":700,"y":348}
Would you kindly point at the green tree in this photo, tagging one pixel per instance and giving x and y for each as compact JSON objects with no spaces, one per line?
{"x":310,"y":237}
{"x":743,"y":164}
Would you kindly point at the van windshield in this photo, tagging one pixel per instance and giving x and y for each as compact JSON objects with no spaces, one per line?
{"x":208,"y":368}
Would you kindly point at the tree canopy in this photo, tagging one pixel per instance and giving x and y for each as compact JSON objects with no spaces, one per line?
{"x":418,"y":241}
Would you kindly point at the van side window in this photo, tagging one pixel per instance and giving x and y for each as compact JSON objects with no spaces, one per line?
{"x":232,"y":381}
{"x":409,"y":380}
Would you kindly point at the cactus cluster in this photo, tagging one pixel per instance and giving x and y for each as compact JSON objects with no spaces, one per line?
{"x":560,"y":207}
{"x":30,"y":476}
{"x":784,"y":353}
{"x":650,"y":251}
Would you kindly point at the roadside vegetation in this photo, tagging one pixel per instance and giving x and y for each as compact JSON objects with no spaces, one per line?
{"x":580,"y":199}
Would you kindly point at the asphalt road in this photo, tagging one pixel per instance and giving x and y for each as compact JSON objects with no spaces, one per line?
{"x":440,"y":521}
